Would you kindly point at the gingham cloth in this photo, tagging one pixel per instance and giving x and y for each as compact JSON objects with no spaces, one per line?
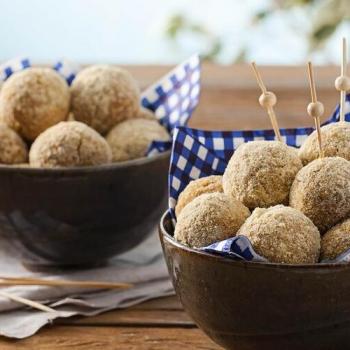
{"x":198,"y":153}
{"x":173,"y":98}
{"x":66,"y":68}
{"x":237,"y":248}
{"x":240,"y":248}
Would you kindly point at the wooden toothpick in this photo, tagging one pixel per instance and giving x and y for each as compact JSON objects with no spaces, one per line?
{"x":342,"y":83}
{"x":267,"y":100}
{"x":27,"y":281}
{"x":315,"y":109}
{"x":28,"y":302}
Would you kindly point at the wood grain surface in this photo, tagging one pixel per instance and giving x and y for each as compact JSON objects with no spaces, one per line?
{"x":229,"y":100}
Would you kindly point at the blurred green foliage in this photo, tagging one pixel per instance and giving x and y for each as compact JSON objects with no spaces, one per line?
{"x":180,"y":24}
{"x":325,"y":17}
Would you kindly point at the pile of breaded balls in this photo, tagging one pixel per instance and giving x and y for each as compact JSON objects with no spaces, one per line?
{"x":292,"y":205}
{"x":98,"y":120}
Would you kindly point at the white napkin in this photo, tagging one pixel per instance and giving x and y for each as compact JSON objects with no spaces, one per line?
{"x":143,"y":266}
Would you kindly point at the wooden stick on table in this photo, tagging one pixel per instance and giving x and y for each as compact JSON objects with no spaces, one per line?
{"x":28,"y":302}
{"x":25,"y":281}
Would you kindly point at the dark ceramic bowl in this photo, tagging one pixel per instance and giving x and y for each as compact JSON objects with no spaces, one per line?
{"x":81,"y":216}
{"x":259,"y":306}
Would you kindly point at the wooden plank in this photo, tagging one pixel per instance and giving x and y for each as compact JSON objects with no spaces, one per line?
{"x":162,"y":312}
{"x":240,"y":76}
{"x":107,"y":338}
{"x":140,"y":318}
{"x":230,"y":93}
{"x":165,"y":303}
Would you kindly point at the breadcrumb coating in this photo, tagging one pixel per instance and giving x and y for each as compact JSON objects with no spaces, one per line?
{"x":335,"y":143}
{"x":336,"y":241}
{"x":33,"y":100}
{"x":209,"y":218}
{"x":131,"y":138}
{"x":69,"y":144}
{"x":13,"y":149}
{"x":321,"y":190}
{"x":144,"y":113}
{"x":103,"y":96}
{"x":197,"y":187}
{"x":282,"y":235}
{"x":260,"y":173}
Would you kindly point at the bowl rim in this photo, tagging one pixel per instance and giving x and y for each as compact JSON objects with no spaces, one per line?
{"x":165,"y":235}
{"x":84,"y":169}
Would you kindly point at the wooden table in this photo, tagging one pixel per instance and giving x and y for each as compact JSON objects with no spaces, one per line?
{"x":228,"y":101}
{"x":155,"y":325}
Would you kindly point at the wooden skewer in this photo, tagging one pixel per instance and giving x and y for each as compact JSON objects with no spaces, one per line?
{"x":315,"y":109}
{"x":28,"y":302}
{"x":13,"y":281}
{"x":267,"y":100}
{"x":342,"y":83}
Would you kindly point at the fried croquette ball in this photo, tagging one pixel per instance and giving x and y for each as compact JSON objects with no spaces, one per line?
{"x":69,"y":144}
{"x":321,"y":190}
{"x":131,"y":138}
{"x":13,"y":149}
{"x":209,"y":218}
{"x":33,"y":100}
{"x":103,"y":96}
{"x":197,"y":187}
{"x":335,"y":143}
{"x":282,"y":235}
{"x":336,"y":241}
{"x":260,"y":173}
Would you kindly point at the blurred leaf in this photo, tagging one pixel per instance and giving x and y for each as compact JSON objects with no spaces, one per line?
{"x":174,"y":25}
{"x":324,"y":32}
{"x":241,"y":57}
{"x":261,"y":15}
{"x":287,"y":4}
{"x":180,"y":24}
{"x":324,"y":15}
{"x":214,"y":51}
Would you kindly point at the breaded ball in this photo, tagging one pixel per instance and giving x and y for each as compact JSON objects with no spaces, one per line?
{"x":131,"y":138}
{"x":260,"y":173}
{"x":144,"y":113}
{"x":335,"y":143}
{"x":336,"y":241}
{"x":13,"y":150}
{"x":69,"y":144}
{"x":209,"y":218}
{"x":282,"y":235}
{"x":33,"y":100}
{"x":103,"y":96}
{"x":321,"y":190}
{"x":197,"y":187}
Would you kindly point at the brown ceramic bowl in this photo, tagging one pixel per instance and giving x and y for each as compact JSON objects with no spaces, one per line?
{"x":81,"y":216}
{"x":259,"y":306}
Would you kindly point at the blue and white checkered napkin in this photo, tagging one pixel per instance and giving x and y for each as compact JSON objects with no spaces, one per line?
{"x":12,"y":66}
{"x":238,"y":248}
{"x":342,"y":258}
{"x":66,"y":68}
{"x":198,"y":153}
{"x":173,"y":98}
